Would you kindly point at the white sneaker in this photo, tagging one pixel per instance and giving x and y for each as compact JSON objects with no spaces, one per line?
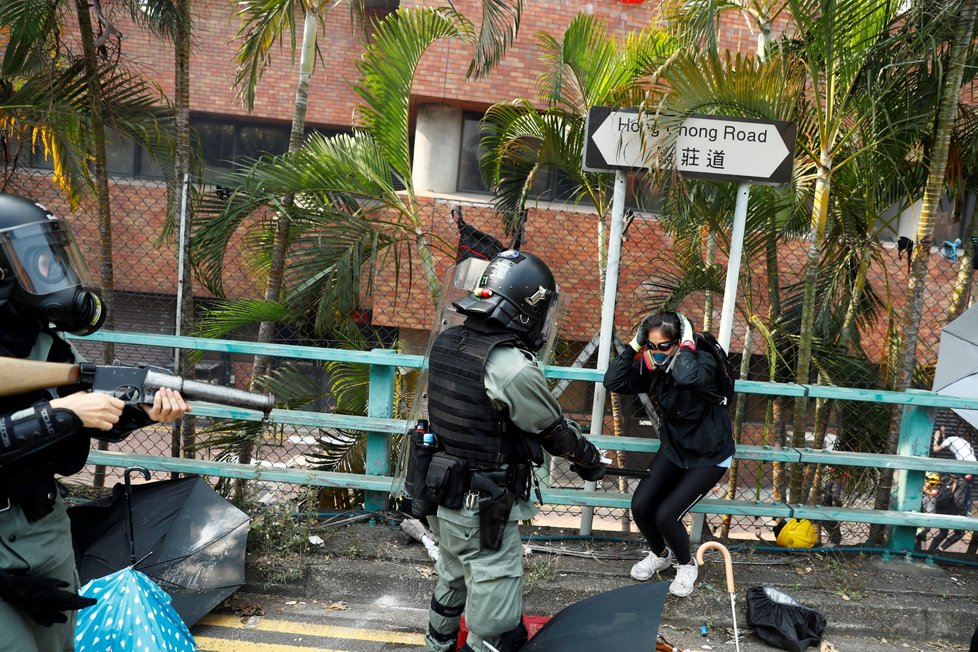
{"x":652,"y":564}
{"x":685,"y":577}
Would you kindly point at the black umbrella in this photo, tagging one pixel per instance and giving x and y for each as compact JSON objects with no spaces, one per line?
{"x":188,"y":539}
{"x":623,"y":619}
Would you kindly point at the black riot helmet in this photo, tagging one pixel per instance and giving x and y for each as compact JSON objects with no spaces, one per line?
{"x":42,"y":272}
{"x":517,"y":291}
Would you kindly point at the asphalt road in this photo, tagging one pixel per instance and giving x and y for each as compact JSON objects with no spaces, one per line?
{"x":290,"y":625}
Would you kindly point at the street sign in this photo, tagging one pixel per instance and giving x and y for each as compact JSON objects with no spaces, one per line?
{"x":709,"y":147}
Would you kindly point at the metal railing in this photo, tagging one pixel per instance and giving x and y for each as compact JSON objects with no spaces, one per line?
{"x":378,"y":481}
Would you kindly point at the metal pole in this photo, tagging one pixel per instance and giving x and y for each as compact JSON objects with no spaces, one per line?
{"x":607,"y":323}
{"x":729,"y":302}
{"x":180,"y":263}
{"x":733,"y":266}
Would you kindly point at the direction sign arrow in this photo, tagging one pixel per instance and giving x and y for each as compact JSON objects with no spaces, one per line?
{"x":712,"y":147}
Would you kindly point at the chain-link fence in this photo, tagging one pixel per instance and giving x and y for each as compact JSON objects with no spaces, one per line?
{"x":398,"y":310}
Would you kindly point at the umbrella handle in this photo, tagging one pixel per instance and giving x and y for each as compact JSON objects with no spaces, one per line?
{"x":132,"y":535}
{"x":728,"y":563}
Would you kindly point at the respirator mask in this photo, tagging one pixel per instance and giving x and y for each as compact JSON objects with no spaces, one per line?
{"x":50,"y":279}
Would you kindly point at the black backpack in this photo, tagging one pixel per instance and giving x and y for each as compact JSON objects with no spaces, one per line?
{"x":725,"y":393}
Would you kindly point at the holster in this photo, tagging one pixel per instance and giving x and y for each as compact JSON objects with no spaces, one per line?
{"x":493,"y":517}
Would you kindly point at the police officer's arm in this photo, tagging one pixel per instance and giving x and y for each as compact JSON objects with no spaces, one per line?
{"x":517,"y":385}
{"x":46,"y":422}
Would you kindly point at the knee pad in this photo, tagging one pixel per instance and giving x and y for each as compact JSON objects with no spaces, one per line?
{"x":447,"y":637}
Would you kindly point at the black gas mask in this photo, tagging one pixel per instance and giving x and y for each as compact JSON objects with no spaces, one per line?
{"x":42,"y":273}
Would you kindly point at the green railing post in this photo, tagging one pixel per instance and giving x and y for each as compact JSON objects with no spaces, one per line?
{"x":916,"y":429}
{"x":380,"y":404}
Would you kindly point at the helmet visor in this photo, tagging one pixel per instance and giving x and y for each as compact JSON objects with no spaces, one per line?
{"x":44,"y":257}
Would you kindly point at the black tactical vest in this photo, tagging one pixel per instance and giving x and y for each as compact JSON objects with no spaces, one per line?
{"x":459,"y":410}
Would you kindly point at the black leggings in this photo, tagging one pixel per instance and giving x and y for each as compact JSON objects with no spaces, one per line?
{"x":661,"y":501}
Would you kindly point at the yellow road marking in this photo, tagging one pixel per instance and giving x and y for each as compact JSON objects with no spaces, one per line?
{"x":309,"y":629}
{"x":206,"y":644}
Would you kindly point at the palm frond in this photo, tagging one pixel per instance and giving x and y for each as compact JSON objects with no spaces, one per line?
{"x":226,"y":316}
{"x":499,"y":27}
{"x":159,"y":17}
{"x":263,"y":22}
{"x":387,"y":72}
{"x":28,"y":27}
{"x":327,"y":175}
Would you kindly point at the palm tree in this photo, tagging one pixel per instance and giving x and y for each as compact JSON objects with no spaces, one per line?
{"x":263,"y":25}
{"x":837,"y":41}
{"x":934,"y":187}
{"x":349,"y":215}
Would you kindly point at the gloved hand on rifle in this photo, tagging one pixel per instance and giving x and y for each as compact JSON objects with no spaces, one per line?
{"x":589,"y":474}
{"x":42,"y":598}
{"x":586,"y":461}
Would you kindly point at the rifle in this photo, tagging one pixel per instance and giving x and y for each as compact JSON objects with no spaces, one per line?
{"x":133,"y":384}
{"x":628,"y":473}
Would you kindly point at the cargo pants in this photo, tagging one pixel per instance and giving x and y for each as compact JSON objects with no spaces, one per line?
{"x":41,"y":548}
{"x":487,"y":584}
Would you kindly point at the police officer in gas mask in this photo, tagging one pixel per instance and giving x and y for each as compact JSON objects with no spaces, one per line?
{"x":44,"y":290}
{"x":492,"y":415}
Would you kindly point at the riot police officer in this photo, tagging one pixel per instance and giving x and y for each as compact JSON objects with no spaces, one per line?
{"x":492,"y":414}
{"x":45,"y":289}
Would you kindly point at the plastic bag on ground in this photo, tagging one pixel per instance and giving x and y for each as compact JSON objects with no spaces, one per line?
{"x":780,"y":620}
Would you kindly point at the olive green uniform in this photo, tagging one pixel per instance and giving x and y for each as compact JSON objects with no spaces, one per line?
{"x":489,"y":584}
{"x":42,"y":548}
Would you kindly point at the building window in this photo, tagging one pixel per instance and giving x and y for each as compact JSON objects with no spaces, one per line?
{"x":226,"y":145}
{"x":469,"y":173}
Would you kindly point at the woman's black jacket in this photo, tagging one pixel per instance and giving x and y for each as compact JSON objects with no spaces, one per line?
{"x":695,"y":431}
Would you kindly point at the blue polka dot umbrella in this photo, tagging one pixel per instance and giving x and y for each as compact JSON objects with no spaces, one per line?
{"x":132,"y":614}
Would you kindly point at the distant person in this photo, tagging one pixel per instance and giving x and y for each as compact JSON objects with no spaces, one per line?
{"x":697,"y":443}
{"x":959,"y":446}
{"x":948,"y":494}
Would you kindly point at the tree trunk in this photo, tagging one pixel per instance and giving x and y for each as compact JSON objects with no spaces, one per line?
{"x":820,"y":215}
{"x":738,"y":427}
{"x":933,"y":188}
{"x":184,"y":430}
{"x":711,"y":256}
{"x":282,"y":242}
{"x":849,"y":325}
{"x":966,"y":272}
{"x":101,"y":188}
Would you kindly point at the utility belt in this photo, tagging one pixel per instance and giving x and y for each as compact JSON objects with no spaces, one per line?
{"x":36,"y":497}
{"x":436,"y":478}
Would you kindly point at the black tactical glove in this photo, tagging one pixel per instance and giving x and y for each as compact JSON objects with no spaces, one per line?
{"x":641,"y":334}
{"x":42,"y":598}
{"x":589,"y":473}
{"x":586,"y":454}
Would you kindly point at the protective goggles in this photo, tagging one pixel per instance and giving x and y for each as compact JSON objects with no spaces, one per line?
{"x":663,"y":346}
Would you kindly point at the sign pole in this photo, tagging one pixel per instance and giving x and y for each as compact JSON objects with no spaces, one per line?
{"x":733,"y":266}
{"x":607,"y":323}
{"x":729,"y":302}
